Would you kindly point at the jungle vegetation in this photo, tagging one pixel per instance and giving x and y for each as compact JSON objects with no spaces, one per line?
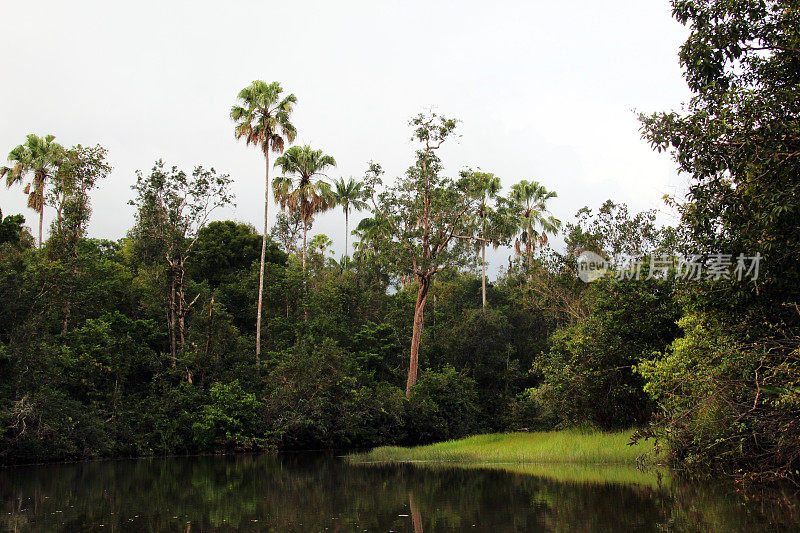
{"x":192,"y":334}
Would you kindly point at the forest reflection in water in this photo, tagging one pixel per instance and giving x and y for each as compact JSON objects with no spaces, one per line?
{"x":322,"y":492}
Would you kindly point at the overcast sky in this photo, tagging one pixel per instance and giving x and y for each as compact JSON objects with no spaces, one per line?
{"x":546,"y":90}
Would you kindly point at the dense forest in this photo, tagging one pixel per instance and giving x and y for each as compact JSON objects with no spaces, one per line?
{"x":193,"y":335}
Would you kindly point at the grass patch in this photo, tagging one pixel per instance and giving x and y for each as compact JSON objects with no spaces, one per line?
{"x":547,"y":447}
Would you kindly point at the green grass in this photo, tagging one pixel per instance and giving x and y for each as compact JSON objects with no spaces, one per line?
{"x":549,"y":447}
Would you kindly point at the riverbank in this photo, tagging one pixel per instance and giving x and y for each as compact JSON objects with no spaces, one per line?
{"x":546,"y":447}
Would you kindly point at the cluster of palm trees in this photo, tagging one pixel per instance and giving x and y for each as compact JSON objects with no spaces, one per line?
{"x":263,"y":118}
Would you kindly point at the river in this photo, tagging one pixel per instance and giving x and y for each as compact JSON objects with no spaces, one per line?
{"x":322,"y":492}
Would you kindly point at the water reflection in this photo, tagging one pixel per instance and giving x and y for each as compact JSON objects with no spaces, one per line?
{"x":323,"y":493}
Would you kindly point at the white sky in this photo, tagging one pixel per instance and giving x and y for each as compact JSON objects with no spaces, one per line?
{"x":546,"y":90}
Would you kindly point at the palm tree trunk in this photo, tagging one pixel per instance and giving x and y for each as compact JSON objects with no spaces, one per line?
{"x":419,"y":309}
{"x":41,"y":223}
{"x":530,"y":261}
{"x":305,"y":232}
{"x":305,"y":286}
{"x":263,"y":257}
{"x":346,"y":234}
{"x":483,"y":272}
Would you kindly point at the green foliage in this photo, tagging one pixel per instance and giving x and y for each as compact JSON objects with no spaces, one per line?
{"x":728,"y":388}
{"x":588,"y":371}
{"x":13,"y":231}
{"x":613,"y":232}
{"x":308,"y":392}
{"x":145,"y":345}
{"x":230,"y":419}
{"x":709,"y":383}
{"x":377,"y":351}
{"x":443,"y":405}
{"x":528,"y":205}
{"x":224,"y":248}
{"x":262,"y":116}
{"x":411,"y":239}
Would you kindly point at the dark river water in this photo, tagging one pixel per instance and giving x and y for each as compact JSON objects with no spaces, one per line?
{"x":306,"y":492}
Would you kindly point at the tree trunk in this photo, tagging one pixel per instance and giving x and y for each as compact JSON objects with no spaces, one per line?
{"x":172,"y":342}
{"x":41,"y":223}
{"x":181,"y":308}
{"x":67,"y":312}
{"x":263,"y":257}
{"x":419,"y":308}
{"x":483,"y":272}
{"x":210,"y":324}
{"x":305,"y":232}
{"x":305,"y":287}
{"x":346,"y":236}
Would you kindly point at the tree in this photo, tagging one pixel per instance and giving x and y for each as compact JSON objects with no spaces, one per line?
{"x":369,"y":232}
{"x":350,"y":195}
{"x":40,"y":157}
{"x":78,"y":173}
{"x":494,"y":225}
{"x":79,"y":170}
{"x":489,"y":187}
{"x":286,"y":230}
{"x":529,"y":203}
{"x":173,"y":208}
{"x":589,"y":368}
{"x":613,"y":232}
{"x":262,"y":119}
{"x":739,"y":140}
{"x":426,"y":217}
{"x":13,"y":231}
{"x":225,"y":248}
{"x":302,"y":191}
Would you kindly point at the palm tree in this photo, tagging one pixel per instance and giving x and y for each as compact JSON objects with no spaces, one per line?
{"x":367,"y":231}
{"x":350,"y":195}
{"x":529,"y":202}
{"x":488,"y":186}
{"x":40,"y":157}
{"x":300,"y":191}
{"x":262,"y":119}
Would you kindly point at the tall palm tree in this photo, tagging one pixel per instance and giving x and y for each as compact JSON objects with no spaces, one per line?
{"x":301,"y":190}
{"x":350,"y":195}
{"x":529,"y":202}
{"x":262,"y":119}
{"x":37,"y":156}
{"x":488,"y":187}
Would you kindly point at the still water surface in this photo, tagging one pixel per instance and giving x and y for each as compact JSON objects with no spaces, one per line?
{"x":306,"y":492}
